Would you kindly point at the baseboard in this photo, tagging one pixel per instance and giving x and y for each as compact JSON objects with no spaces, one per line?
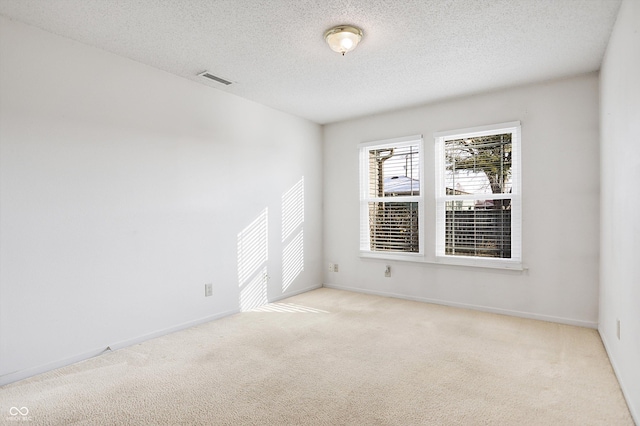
{"x":173,"y":329}
{"x":634,"y":415}
{"x":34,"y":371}
{"x":294,"y":293}
{"x":519,"y":314}
{"x":30,"y":372}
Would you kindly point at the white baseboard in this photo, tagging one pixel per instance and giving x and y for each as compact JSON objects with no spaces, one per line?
{"x":294,"y":293}
{"x":29,"y":372}
{"x":634,"y":415}
{"x":173,"y":329}
{"x":520,"y":314}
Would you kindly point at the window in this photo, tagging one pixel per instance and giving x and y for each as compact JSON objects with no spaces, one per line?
{"x":391,"y":196}
{"x":478,"y":196}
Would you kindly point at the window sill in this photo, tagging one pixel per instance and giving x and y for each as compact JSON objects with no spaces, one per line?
{"x":448,"y":261}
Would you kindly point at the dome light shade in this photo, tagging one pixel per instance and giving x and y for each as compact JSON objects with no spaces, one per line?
{"x":343,"y":38}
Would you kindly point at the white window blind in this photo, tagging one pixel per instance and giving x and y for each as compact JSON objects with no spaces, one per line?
{"x":478,"y":193}
{"x":391,"y":196}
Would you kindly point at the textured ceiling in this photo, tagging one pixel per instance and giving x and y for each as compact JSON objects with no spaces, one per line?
{"x":413,"y":51}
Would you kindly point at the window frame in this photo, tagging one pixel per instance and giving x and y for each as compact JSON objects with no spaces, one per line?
{"x":515,"y":262}
{"x":365,"y":198}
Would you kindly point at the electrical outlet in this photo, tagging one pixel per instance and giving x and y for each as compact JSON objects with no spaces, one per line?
{"x":208,"y":289}
{"x":387,"y":271}
{"x":335,"y":267}
{"x":331,"y":267}
{"x":618,"y":328}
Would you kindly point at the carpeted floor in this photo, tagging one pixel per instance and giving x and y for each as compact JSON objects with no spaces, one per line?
{"x":331,"y":357}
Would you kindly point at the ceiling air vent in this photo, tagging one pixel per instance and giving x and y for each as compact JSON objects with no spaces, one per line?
{"x":207,"y":74}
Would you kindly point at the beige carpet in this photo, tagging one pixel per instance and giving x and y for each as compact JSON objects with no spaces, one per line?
{"x":331,"y":357}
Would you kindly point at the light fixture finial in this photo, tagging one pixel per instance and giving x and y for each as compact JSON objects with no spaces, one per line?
{"x":343,"y":38}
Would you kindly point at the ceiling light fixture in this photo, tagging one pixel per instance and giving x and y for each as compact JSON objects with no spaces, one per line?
{"x":343,"y":38}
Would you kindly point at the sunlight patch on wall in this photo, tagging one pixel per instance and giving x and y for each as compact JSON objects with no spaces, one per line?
{"x":254,"y":293}
{"x":252,"y":263}
{"x":292,"y":260}
{"x":292,"y":233}
{"x":292,"y":209}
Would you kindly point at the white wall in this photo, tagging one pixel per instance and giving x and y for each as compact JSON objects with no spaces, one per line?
{"x":620,"y":201}
{"x":123,"y":190}
{"x":560,"y":204}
